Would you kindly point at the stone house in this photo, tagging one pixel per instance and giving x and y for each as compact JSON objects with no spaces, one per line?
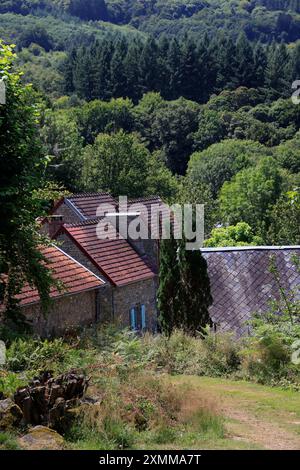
{"x":241,"y":281}
{"x":128,"y":267}
{"x":77,"y":303}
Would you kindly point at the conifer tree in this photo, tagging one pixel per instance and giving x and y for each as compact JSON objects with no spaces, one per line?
{"x":117,"y":70}
{"x":174,"y":63}
{"x":277,"y":79}
{"x":131,"y":70}
{"x":260,"y":64}
{"x":184,"y":295}
{"x":169,"y":281}
{"x":148,"y":67}
{"x":195,"y":296}
{"x":190,"y":73}
{"x":245,"y":62}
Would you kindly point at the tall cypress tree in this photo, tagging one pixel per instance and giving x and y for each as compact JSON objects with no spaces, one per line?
{"x":184,"y":295}
{"x":195,"y":295}
{"x":169,"y":281}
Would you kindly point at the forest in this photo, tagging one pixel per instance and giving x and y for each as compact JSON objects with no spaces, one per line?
{"x":192,"y":117}
{"x":196,"y":118}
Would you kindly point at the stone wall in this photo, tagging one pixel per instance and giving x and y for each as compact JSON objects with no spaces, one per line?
{"x":149,"y":248}
{"x":138,"y":293}
{"x":68,"y":312}
{"x":69,"y":216}
{"x":116,"y":302}
{"x":68,"y":246}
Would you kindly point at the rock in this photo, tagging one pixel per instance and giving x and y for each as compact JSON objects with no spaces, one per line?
{"x":10,"y":414}
{"x":42,"y":438}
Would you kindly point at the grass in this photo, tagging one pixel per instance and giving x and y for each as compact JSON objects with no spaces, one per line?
{"x":214,"y":413}
{"x":152,"y":393}
{"x":8,"y":441}
{"x":255,"y":416}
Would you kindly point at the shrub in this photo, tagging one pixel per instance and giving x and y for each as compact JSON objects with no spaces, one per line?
{"x":24,"y":354}
{"x":35,"y":355}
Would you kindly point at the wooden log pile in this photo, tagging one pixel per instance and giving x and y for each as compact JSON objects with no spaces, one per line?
{"x":46,"y":399}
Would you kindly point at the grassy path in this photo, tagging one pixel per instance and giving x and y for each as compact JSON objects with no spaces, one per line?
{"x":256,"y":417}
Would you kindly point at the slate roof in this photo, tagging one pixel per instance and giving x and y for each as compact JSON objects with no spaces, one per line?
{"x":242,"y":284}
{"x":155,"y":203}
{"x":86,"y":204}
{"x":74,"y":277}
{"x":115,"y":258}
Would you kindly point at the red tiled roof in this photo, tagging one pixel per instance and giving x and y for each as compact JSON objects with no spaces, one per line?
{"x":74,"y":277}
{"x":88,"y":203}
{"x":118,"y":261}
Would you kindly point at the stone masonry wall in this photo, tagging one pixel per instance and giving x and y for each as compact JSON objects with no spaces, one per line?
{"x":69,"y":216}
{"x":115,"y":302}
{"x":139,"y":293}
{"x":68,"y":312}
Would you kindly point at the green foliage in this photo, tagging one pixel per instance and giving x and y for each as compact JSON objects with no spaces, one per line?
{"x":116,"y":163}
{"x":184,"y":288}
{"x":9,"y":382}
{"x":285,"y":220}
{"x":220,"y":162}
{"x":233,"y":235}
{"x":8,"y":442}
{"x":34,"y":355}
{"x":167,"y":126}
{"x":21,"y":168}
{"x":194,"y":290}
{"x":98,"y":117}
{"x":169,"y":278}
{"x":249,"y":196}
{"x":63,"y":146}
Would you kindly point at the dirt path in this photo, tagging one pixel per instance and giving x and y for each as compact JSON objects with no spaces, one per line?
{"x":265,"y":434}
{"x":265,"y":417}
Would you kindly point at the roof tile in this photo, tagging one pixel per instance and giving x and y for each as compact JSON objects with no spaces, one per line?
{"x":74,"y":277}
{"x":118,"y":261}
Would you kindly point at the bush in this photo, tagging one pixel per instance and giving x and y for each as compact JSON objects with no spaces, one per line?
{"x":27,"y":354}
{"x":208,"y":354}
{"x":267,"y":357}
